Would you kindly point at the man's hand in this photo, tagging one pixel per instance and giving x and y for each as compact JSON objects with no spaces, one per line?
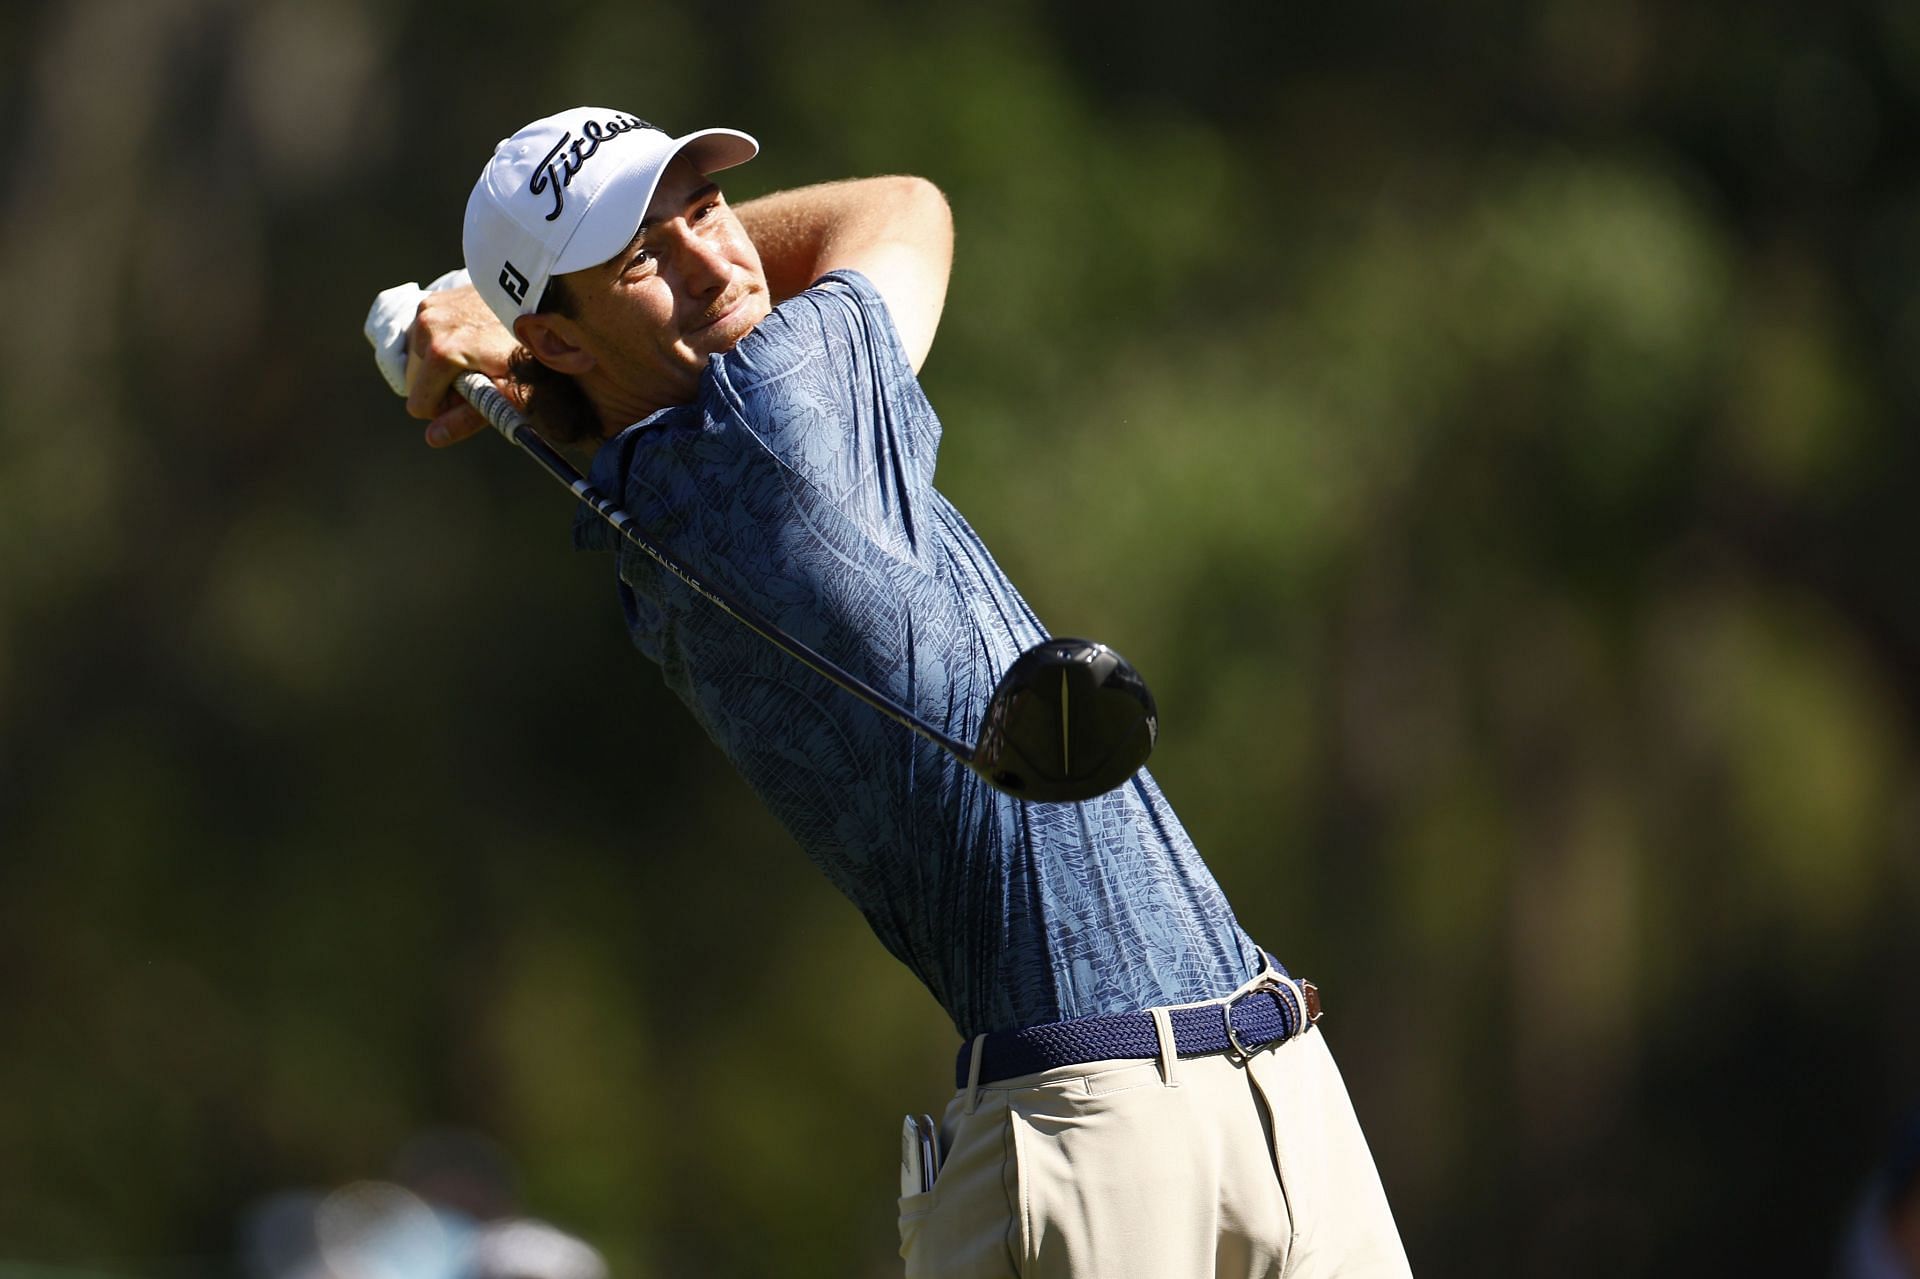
{"x":453,"y":332}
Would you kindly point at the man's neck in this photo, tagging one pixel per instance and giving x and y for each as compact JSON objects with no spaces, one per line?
{"x":620,"y":406}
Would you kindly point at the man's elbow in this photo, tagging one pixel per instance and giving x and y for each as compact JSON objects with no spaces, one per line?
{"x":920,"y":205}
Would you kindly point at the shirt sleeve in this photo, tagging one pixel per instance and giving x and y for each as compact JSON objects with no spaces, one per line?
{"x":825,"y":386}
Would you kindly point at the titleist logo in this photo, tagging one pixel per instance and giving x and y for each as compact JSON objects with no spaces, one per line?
{"x":569,"y":153}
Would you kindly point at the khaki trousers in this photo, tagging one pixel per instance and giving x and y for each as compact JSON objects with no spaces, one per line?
{"x":1113,"y":1170}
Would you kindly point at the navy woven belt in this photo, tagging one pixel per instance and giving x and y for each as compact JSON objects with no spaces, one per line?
{"x":1263,"y":1016}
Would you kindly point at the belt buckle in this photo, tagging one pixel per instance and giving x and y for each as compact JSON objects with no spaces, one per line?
{"x":1307,"y":1012}
{"x":1237,"y":1051}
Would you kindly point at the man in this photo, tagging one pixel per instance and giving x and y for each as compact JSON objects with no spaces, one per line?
{"x":1140,"y":1090}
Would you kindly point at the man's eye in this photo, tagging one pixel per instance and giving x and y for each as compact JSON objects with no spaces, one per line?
{"x":640,"y":259}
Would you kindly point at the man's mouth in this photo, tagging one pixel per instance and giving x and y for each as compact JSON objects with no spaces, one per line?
{"x":723,"y":311}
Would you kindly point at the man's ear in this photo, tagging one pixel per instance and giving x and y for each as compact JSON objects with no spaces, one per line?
{"x":554,"y":341}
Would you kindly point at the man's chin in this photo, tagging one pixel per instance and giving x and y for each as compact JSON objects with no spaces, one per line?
{"x":726,"y":332}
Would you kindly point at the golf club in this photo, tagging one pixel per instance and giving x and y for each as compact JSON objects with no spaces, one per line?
{"x":1070,"y":719}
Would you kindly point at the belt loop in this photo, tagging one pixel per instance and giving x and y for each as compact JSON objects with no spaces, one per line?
{"x":1169,"y":1052}
{"x":973,"y":1072}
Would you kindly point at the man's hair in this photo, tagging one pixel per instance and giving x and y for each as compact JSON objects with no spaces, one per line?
{"x":560,"y":410}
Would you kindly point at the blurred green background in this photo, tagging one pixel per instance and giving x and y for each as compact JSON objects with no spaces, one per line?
{"x":1489,"y":426}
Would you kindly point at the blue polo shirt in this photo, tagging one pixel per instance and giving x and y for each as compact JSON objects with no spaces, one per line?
{"x":800,"y":480}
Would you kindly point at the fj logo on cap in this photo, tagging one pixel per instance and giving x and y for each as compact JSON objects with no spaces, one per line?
{"x":513,"y":282}
{"x":573,"y":152}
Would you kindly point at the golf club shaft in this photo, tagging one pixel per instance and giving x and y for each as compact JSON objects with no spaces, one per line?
{"x":480,"y":392}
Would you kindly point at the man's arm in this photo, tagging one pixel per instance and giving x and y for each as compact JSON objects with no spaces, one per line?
{"x":897,"y":231}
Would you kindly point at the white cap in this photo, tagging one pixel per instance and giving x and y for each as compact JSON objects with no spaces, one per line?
{"x":567,"y":192}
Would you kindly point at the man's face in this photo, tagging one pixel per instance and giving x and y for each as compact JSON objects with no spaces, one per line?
{"x":688,"y":286}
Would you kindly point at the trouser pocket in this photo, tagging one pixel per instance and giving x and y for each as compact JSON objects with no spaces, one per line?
{"x":960,"y":1229}
{"x":919,"y":1166}
{"x":913,"y":1211}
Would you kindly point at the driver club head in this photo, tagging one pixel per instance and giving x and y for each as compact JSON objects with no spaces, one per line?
{"x":1071,"y":719}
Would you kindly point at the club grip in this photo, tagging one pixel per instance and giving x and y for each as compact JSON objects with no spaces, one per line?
{"x":478,"y":390}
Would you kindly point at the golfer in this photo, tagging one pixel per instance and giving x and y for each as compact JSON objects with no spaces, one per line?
{"x":1140,"y":1090}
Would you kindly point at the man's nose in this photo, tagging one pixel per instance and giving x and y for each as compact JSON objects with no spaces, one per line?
{"x":703,"y":264}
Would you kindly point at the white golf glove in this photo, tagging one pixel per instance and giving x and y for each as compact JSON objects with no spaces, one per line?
{"x":391,"y":317}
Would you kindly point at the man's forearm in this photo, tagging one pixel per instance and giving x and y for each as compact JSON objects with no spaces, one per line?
{"x":896,"y":230}
{"x":800,"y":233}
{"x":791,"y":229}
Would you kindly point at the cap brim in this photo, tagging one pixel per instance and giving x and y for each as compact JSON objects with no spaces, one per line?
{"x":618,"y":207}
